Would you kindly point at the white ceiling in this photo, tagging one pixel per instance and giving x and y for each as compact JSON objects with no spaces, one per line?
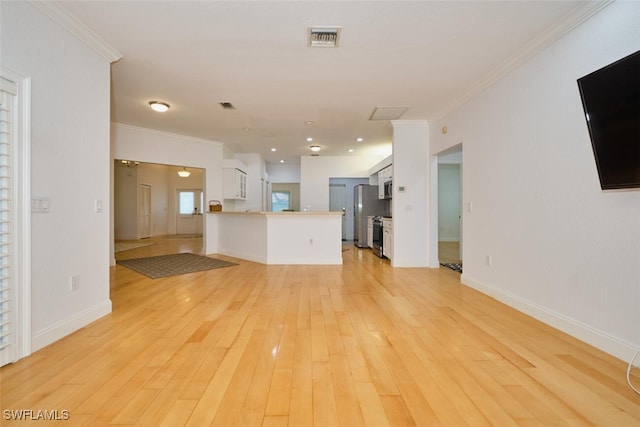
{"x":424,"y":55}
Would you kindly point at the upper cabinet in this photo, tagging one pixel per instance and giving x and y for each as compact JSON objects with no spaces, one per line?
{"x":234,"y":179}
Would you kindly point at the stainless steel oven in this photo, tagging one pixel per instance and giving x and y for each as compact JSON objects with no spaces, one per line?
{"x":377,"y":236}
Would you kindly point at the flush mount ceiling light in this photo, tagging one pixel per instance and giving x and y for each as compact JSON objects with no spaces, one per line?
{"x":158,"y":106}
{"x":323,"y":36}
{"x":184,"y":173}
{"x":387,"y":113}
{"x":315,"y":148}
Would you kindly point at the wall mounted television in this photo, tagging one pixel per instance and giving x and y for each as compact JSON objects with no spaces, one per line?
{"x":611,"y":103}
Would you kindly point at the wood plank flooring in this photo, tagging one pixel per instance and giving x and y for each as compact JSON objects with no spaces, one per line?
{"x":352,"y":345}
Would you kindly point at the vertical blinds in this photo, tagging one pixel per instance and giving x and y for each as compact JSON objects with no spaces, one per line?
{"x":7,"y":285}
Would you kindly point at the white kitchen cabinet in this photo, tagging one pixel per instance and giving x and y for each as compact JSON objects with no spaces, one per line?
{"x":234,"y":179}
{"x":387,"y":237}
{"x":370,"y":231}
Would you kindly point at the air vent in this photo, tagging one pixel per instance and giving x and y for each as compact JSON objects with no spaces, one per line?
{"x":227,"y":106}
{"x":324,"y":36}
{"x":387,"y":113}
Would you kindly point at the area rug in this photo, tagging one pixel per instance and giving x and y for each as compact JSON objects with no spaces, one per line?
{"x":172,"y":265}
{"x":125,"y":246}
{"x":453,"y":266}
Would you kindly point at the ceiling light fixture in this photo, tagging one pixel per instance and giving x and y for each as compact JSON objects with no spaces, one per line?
{"x":359,"y":139}
{"x":184,"y":173}
{"x":274,"y":149}
{"x":158,"y":106}
{"x":309,"y":139}
{"x":281,"y":161}
{"x":315,"y":148}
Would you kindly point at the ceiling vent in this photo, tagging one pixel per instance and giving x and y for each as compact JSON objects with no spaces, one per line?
{"x":387,"y":113}
{"x":227,"y":106}
{"x":324,"y":36}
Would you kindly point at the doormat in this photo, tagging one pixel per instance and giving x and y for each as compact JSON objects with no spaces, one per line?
{"x":453,"y":266}
{"x":156,"y":267}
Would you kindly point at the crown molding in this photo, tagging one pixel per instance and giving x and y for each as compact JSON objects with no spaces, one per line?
{"x":552,"y":34}
{"x":70,"y":23}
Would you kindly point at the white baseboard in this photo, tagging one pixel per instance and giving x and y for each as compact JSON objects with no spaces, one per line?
{"x":605,"y":342}
{"x":61,"y":329}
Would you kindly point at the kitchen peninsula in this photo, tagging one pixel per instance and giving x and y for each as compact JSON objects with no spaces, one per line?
{"x":276,"y":237}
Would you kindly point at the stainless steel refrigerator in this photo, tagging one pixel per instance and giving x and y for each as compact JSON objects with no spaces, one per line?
{"x":366,"y":203}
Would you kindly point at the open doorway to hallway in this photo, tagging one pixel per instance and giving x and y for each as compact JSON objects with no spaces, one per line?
{"x":150,"y":200}
{"x":450,"y":208}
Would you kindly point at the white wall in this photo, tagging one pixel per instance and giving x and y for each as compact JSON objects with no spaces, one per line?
{"x":152,"y":146}
{"x":125,"y":201}
{"x":70,"y":164}
{"x":561,"y":249}
{"x":411,"y":170}
{"x":316,"y":171}
{"x":283,"y":173}
{"x":449,"y":202}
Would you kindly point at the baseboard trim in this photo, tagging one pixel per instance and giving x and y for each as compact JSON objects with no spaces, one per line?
{"x":61,"y":329}
{"x":603,"y":341}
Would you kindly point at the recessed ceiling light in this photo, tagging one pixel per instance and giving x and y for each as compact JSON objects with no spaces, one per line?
{"x":281,"y":161}
{"x":308,"y":122}
{"x":351,"y":150}
{"x":246,"y":129}
{"x":359,"y":139}
{"x":315,"y":148}
{"x":158,"y":106}
{"x":309,"y":139}
{"x":274,"y":149}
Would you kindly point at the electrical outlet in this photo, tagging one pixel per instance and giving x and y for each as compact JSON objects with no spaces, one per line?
{"x":75,"y":282}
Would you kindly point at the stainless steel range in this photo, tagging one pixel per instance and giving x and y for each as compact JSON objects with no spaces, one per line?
{"x":377,"y":236}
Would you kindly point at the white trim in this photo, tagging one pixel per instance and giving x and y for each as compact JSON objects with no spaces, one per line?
{"x":607,"y":343}
{"x":552,"y":34}
{"x":22,"y":164}
{"x":61,"y":329}
{"x":70,"y":23}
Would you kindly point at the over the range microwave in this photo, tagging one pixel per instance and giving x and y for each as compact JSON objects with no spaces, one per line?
{"x":388,"y":189}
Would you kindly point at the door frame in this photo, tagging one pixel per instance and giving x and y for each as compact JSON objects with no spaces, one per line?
{"x":22,"y":214}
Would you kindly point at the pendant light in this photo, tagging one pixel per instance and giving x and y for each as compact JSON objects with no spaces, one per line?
{"x":184,"y":173}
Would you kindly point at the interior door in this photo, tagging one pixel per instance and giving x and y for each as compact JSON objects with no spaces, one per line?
{"x":144,"y":212}
{"x":189,"y":218}
{"x":338,"y":203}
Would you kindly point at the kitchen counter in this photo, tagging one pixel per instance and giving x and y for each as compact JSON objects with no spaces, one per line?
{"x":276,"y":237}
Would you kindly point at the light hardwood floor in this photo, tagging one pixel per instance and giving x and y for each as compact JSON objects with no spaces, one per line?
{"x":350,"y":345}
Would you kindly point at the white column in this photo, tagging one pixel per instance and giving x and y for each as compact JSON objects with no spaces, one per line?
{"x":411,"y":178}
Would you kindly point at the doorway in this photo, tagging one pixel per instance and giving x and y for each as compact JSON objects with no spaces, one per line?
{"x":450,"y":206}
{"x":348,"y":184}
{"x":144,"y":212}
{"x":338,"y":203}
{"x":189,"y":218}
{"x":163,"y":184}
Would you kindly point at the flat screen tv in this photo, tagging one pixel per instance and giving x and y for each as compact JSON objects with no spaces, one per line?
{"x":611,"y":102}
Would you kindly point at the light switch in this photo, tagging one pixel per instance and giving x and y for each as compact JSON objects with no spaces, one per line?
{"x":98,"y":205}
{"x":40,"y":204}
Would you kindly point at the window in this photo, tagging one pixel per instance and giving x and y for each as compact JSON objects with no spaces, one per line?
{"x":188,"y":201}
{"x":280,"y":200}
